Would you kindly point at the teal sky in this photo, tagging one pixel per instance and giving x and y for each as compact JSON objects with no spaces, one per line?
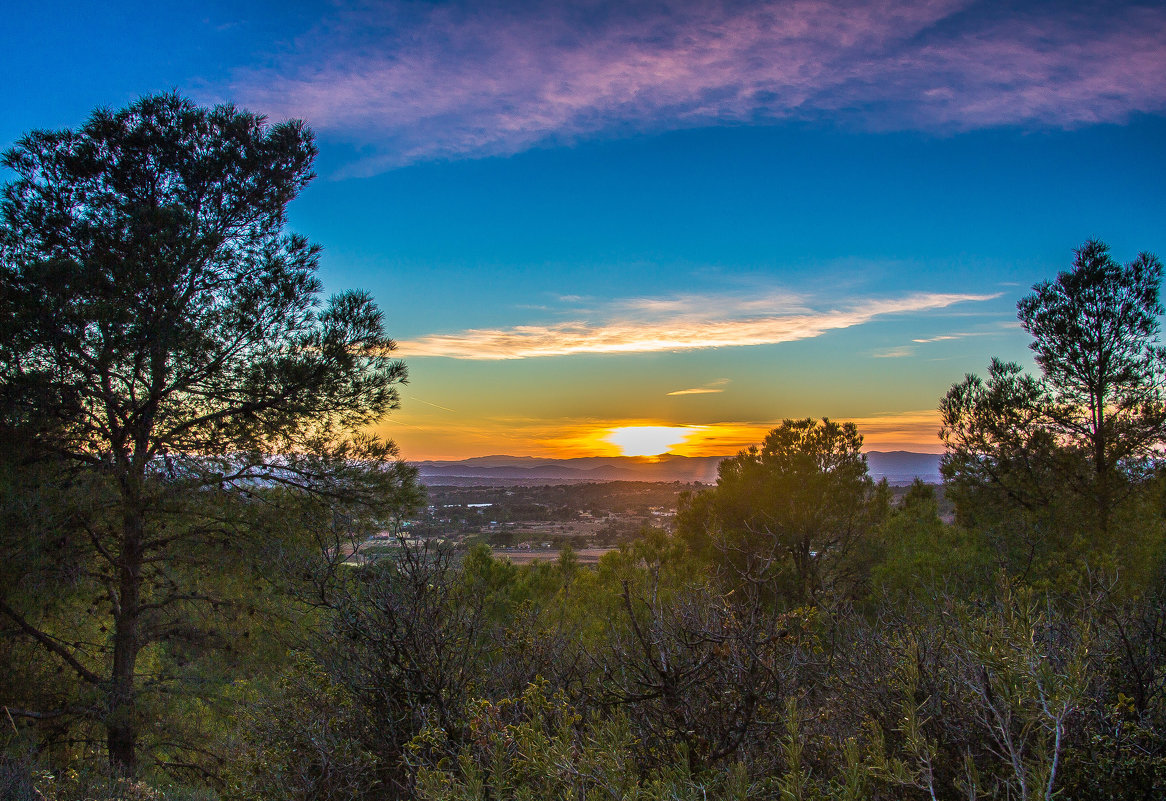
{"x":713,"y":215}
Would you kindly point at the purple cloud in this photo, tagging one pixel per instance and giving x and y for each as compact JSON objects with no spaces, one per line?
{"x":418,"y":82}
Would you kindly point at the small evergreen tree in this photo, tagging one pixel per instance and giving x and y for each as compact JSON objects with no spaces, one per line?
{"x":788,"y":514}
{"x":1069,"y":447}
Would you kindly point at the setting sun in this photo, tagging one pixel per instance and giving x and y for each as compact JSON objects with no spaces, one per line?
{"x":648,"y":440}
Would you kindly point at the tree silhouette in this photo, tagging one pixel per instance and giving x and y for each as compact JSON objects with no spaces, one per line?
{"x":1071,"y":445}
{"x":788,"y":513}
{"x":163,"y":339}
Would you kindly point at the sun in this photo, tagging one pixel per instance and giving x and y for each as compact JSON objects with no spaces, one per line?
{"x":647,"y":440}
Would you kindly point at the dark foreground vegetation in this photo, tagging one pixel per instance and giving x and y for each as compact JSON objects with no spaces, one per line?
{"x":182,"y":489}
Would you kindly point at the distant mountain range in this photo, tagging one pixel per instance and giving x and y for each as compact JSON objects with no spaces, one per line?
{"x":898,"y":467}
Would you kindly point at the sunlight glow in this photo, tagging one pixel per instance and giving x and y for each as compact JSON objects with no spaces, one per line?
{"x":648,"y":440}
{"x":424,"y":433}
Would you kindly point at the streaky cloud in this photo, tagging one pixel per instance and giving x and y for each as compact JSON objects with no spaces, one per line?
{"x":417,"y":82}
{"x":711,"y":388}
{"x":685,"y":330}
{"x":895,"y":353}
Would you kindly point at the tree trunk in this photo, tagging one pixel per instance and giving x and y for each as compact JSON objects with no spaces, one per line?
{"x":122,"y":724}
{"x":1101,"y":488}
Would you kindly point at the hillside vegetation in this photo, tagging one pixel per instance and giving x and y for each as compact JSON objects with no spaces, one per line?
{"x":186,"y":488}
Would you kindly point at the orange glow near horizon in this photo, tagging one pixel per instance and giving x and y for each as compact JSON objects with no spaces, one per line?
{"x":430,"y":438}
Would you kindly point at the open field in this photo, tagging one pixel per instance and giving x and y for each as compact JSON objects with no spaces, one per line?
{"x":524,"y":556}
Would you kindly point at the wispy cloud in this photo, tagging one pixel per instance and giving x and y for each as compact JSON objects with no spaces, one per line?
{"x":436,"y":80}
{"x":711,"y":388}
{"x":680,"y":323}
{"x":895,"y":353}
{"x":413,"y":397}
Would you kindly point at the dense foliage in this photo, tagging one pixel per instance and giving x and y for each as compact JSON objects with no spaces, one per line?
{"x":184,"y":613}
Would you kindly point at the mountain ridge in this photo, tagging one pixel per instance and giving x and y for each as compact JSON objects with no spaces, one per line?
{"x":898,"y":467}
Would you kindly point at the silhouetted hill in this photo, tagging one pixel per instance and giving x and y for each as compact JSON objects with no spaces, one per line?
{"x":902,"y":467}
{"x":898,"y":467}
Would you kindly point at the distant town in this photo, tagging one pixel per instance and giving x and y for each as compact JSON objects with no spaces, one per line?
{"x":528,"y":523}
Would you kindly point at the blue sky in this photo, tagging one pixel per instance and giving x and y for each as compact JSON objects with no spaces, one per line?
{"x":703,"y":215}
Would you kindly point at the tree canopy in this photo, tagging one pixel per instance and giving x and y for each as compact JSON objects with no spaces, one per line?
{"x":1072,"y":445}
{"x":790,"y":511}
{"x":163,"y":344}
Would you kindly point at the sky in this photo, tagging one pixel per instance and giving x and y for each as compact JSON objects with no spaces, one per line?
{"x":688,"y":219}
